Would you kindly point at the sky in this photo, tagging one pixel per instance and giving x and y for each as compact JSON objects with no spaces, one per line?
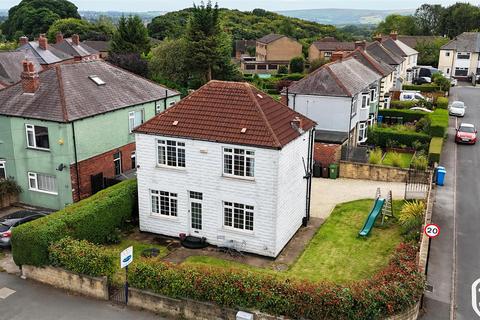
{"x":272,"y":5}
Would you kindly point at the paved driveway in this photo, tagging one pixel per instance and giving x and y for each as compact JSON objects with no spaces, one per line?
{"x":327,"y":193}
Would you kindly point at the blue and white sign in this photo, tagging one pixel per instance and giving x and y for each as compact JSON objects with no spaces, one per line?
{"x":126,"y":257}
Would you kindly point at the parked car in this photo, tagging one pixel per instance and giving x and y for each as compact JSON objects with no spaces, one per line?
{"x":466,"y":133}
{"x":422,"y":80}
{"x":411,"y":96}
{"x":421,"y":109}
{"x":9,"y":222}
{"x":457,"y":108}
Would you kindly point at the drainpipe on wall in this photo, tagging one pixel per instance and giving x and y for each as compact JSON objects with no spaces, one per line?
{"x":77,"y":170}
{"x":165,"y":100}
{"x":311,"y":140}
{"x":349,"y":129}
{"x":287,"y":97}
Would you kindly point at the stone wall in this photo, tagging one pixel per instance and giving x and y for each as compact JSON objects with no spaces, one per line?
{"x":85,"y":285}
{"x":410,"y":314}
{"x":7,"y":200}
{"x":366,"y":171}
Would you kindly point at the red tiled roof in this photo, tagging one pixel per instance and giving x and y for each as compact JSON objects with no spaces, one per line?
{"x":219,"y":111}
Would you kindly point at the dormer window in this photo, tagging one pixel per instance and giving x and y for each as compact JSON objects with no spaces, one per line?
{"x":98,"y":81}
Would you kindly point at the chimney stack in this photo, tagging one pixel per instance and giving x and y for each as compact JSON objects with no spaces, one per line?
{"x":23,"y":41}
{"x":360,"y":44}
{"x":75,"y":39}
{"x":336,"y":56}
{"x":42,"y":42}
{"x":378,"y":37}
{"x":30,"y":80}
{"x":394,"y":34}
{"x":297,"y":124}
{"x":59,"y":38}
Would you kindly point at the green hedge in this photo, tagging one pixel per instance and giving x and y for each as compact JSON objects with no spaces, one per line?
{"x":406,"y":115}
{"x":95,"y":219}
{"x":380,"y":137}
{"x":435,"y":149}
{"x":442,"y":102}
{"x":389,"y":292}
{"x":422,"y":88}
{"x":438,"y":123}
{"x":82,"y":256}
{"x":397,"y":104}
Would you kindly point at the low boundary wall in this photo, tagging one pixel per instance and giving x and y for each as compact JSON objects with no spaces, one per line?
{"x":366,"y":171}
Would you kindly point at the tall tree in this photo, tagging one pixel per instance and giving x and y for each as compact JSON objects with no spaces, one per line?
{"x":429,"y":51}
{"x":405,"y":25}
{"x":460,"y":17}
{"x":131,"y":36}
{"x":169,"y":61}
{"x":428,"y":17}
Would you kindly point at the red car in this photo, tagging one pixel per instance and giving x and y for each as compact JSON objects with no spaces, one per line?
{"x":466,"y":133}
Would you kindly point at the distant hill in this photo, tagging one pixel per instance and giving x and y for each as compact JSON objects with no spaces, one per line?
{"x":146,"y":16}
{"x":344,"y":16}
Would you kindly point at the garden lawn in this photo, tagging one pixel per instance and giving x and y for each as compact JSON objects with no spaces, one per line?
{"x":336,"y":253}
{"x":405,"y":159}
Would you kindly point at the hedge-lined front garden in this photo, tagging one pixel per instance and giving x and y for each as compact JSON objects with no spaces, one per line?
{"x":384,"y":136}
{"x":438,"y":123}
{"x":96,"y":219}
{"x":406,"y":115}
{"x":422,"y":87}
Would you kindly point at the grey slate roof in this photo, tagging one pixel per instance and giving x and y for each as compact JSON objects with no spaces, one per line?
{"x":393,"y":47}
{"x":11,"y":66}
{"x":378,"y":66}
{"x":50,"y":56}
{"x":66,"y":92}
{"x":340,"y":78}
{"x":97,"y":45}
{"x":334,"y":45}
{"x":465,"y":42}
{"x":413,"y":41}
{"x":380,"y":53}
{"x":328,"y":136}
{"x":270,"y":38}
{"x":81,"y":50}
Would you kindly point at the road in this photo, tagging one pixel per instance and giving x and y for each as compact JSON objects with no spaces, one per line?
{"x":32,"y":300}
{"x":454,"y":262}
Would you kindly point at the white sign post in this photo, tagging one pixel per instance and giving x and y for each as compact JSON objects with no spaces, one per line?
{"x":126,"y":257}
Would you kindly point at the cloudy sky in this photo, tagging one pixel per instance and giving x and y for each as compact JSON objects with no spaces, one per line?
{"x":274,"y":5}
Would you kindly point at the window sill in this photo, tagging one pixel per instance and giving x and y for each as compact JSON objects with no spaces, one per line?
{"x":237,"y":231}
{"x":179,"y":169}
{"x":46,"y":192}
{"x":233,"y":177}
{"x":163,"y":217}
{"x":38,"y":149}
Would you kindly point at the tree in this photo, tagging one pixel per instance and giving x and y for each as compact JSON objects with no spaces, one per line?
{"x":458,"y":18}
{"x":169,"y":61}
{"x":315,"y":64}
{"x":68,"y":27}
{"x":405,"y":25}
{"x":131,"y":36}
{"x":132,"y":62}
{"x":32,"y":17}
{"x":429,"y":51}
{"x":428,"y":17}
{"x":297,"y":65}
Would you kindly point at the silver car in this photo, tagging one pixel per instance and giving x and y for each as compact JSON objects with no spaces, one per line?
{"x":9,"y":222}
{"x":457,"y":108}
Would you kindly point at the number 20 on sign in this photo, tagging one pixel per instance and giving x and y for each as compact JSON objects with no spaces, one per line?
{"x":432,"y":230}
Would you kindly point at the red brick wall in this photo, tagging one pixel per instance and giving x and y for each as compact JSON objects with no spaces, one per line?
{"x":102,"y":163}
{"x":326,"y":153}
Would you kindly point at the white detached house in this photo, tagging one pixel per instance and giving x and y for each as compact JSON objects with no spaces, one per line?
{"x":227,"y":163}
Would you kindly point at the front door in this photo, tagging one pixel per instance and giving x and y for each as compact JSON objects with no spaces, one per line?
{"x":195,"y":211}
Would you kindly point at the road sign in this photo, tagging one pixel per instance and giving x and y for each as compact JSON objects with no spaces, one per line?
{"x":126,"y":257}
{"x":432,"y":230}
{"x":476,"y":297}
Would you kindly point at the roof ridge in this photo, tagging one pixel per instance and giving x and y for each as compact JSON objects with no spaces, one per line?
{"x":259,"y":108}
{"x":372,"y":61}
{"x":337,"y":80}
{"x":63,"y":102}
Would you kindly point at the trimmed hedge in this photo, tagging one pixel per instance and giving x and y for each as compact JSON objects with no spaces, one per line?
{"x":380,"y":137}
{"x":397,"y":104}
{"x":422,"y":88}
{"x":438,"y":123}
{"x":389,"y":292}
{"x":435,"y":149}
{"x":82,"y":256}
{"x":95,"y":219}
{"x":442,"y":102}
{"x":406,"y":115}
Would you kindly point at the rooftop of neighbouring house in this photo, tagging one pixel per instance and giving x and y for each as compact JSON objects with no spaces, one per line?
{"x":342,"y":78}
{"x":465,"y":42}
{"x":378,"y":66}
{"x":332,"y":44}
{"x":413,"y":41}
{"x":97,"y":44}
{"x":45,"y":56}
{"x":11,"y":66}
{"x":327,"y":136}
{"x":229,"y":112}
{"x":270,"y":38}
{"x":68,"y":92}
{"x":73,"y":47}
{"x":381,"y":53}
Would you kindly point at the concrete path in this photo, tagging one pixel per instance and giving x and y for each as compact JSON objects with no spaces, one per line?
{"x":327,"y":193}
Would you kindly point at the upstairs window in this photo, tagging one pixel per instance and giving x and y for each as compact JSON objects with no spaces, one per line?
{"x":3,"y":170}
{"x":463,"y":55}
{"x":135,"y":118}
{"x":373,"y":94}
{"x":171,"y":153}
{"x":238,"y":162}
{"x":365,"y":100}
{"x":447,"y":54}
{"x":37,"y":137}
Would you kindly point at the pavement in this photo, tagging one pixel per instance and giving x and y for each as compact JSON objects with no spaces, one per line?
{"x":327,"y":193}
{"x":27,"y":300}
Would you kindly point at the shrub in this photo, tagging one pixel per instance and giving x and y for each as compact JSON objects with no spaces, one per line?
{"x":397,"y":104}
{"x":375,"y":156}
{"x":435,"y":149}
{"x":81,"y":256}
{"x":389,"y":292}
{"x":94,"y":219}
{"x":423,"y":125}
{"x":381,"y":136}
{"x":297,"y":65}
{"x":420,"y":162}
{"x":422,"y":88}
{"x":406,"y":115}
{"x":396,"y":159}
{"x":282,"y":69}
{"x":411,"y":219}
{"x":438,"y":123}
{"x":9,"y":187}
{"x":442,"y":102}
{"x":294,"y":76}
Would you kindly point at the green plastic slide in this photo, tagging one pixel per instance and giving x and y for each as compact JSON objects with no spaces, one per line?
{"x":368,"y":226}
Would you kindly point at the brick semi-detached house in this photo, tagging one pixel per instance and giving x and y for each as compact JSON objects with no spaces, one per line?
{"x":66,"y":132}
{"x":229,"y":164}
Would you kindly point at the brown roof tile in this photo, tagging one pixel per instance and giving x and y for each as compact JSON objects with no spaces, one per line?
{"x":219,"y":111}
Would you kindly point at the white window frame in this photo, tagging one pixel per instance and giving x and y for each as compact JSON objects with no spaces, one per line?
{"x":366,"y":99}
{"x":131,"y":119}
{"x":34,"y":177}
{"x":373,"y":94}
{"x":460,"y":69}
{"x":327,"y":54}
{"x":243,"y":209}
{"x":463,"y":54}
{"x":156,"y":208}
{"x":362,"y":131}
{"x":30,"y":128}
{"x":133,"y":158}
{"x":231,"y":153}
{"x":3,"y":165}
{"x":179,"y":151}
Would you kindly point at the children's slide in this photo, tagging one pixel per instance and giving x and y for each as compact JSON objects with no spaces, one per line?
{"x":377,"y":209}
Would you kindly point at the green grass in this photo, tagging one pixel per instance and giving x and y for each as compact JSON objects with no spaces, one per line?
{"x":335,"y":253}
{"x":405,"y":159}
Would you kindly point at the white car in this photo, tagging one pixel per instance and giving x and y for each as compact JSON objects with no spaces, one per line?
{"x":411,"y":96}
{"x":421,"y":109}
{"x":457,"y":108}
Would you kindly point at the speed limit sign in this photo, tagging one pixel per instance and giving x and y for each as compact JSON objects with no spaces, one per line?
{"x":432,"y":230}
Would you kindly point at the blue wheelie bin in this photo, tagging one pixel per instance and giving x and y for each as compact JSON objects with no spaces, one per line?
{"x":441,"y":172}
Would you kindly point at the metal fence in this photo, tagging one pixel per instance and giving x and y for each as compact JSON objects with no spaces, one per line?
{"x":117,"y":294}
{"x":417,"y":183}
